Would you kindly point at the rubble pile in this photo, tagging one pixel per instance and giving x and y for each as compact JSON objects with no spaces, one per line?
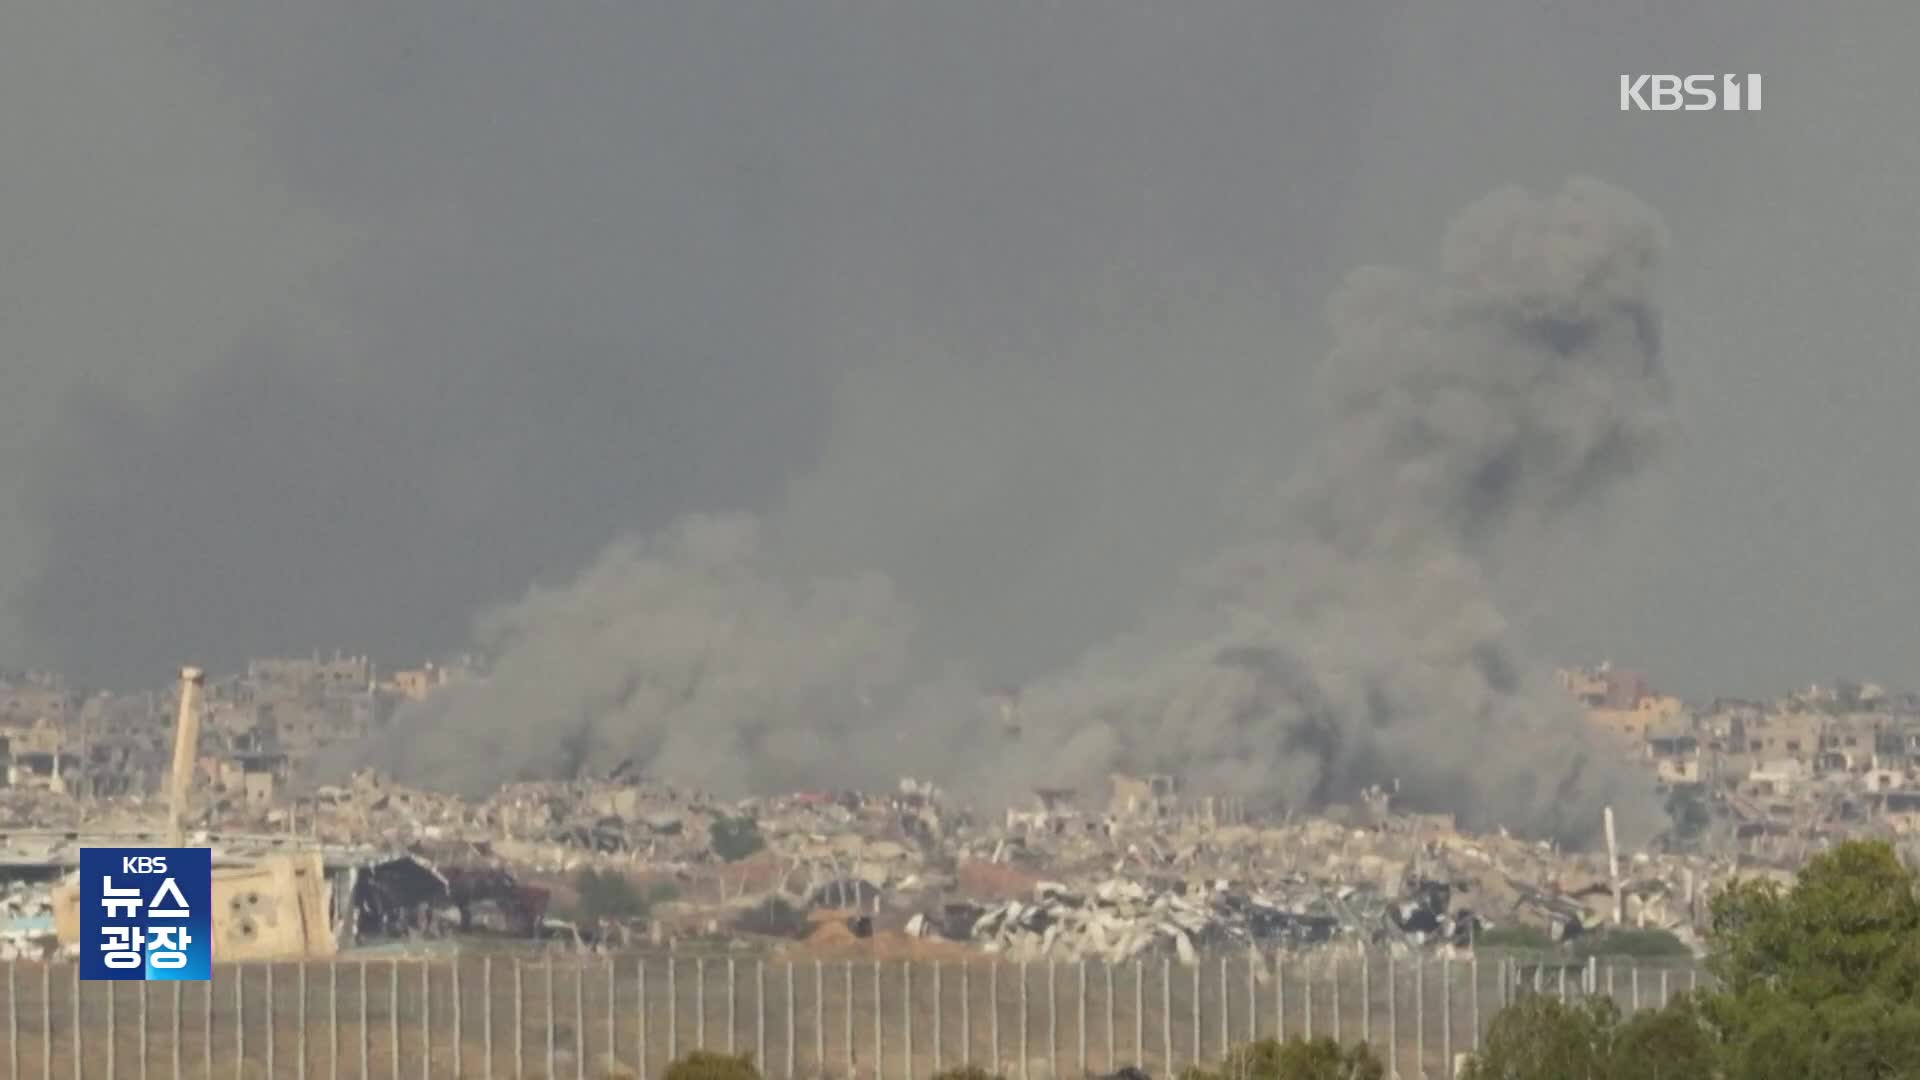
{"x":1119,"y":920}
{"x":26,"y":922}
{"x":1147,"y":876}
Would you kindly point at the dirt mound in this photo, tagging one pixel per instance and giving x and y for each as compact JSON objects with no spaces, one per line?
{"x":994,"y":881}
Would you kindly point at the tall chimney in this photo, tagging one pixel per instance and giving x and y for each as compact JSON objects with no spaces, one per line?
{"x":186,"y":743}
{"x":1613,"y":865}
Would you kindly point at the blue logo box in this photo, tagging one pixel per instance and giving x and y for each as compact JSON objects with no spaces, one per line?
{"x":146,"y":914}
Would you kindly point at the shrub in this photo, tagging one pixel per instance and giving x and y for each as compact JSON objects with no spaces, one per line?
{"x":967,"y":1072}
{"x":609,"y":895}
{"x":1634,"y":943}
{"x":774,"y":917}
{"x":606,"y":895}
{"x":1295,"y":1059}
{"x":735,"y":838}
{"x":1517,"y":937}
{"x":707,"y":1065}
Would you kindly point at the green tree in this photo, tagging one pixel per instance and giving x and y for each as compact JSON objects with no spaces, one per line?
{"x":1673,"y":1043}
{"x":1821,"y":980}
{"x":1817,"y":982}
{"x":1539,"y":1038}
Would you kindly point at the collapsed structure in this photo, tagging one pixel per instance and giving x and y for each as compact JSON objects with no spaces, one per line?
{"x":1146,"y":867}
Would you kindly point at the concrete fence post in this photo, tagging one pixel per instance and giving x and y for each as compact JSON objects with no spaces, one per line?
{"x":1198,"y":1056}
{"x":1333,"y":973}
{"x":760,"y":1014}
{"x":548,"y":1017}
{"x":1419,"y":1016}
{"x":1306,"y":992}
{"x":821,"y":1063}
{"x":906,"y":1017}
{"x":673,"y":1011}
{"x":333,"y":1022}
{"x":1473,"y":998}
{"x":366,"y":1034}
{"x":486,"y":1015}
{"x":1392,"y":1019}
{"x":174,"y":1054}
{"x":938,"y":1008}
{"x":426,"y":1019}
{"x":639,"y":1021}
{"x":46,"y":1023}
{"x":519,"y":1020}
{"x":239,"y":1020}
{"x":1083,"y":1017}
{"x":1139,"y":1014}
{"x":459,"y":1035}
{"x":1253,"y":994}
{"x":1279,"y":995}
{"x":270,"y":1019}
{"x":1026,"y":1057}
{"x":1366,"y":996}
{"x":1226,"y":1011}
{"x":1166,"y":1012}
{"x":579,"y":1021}
{"x":1112,"y":1039}
{"x":993,"y":1016}
{"x":879,"y":1016}
{"x":966,"y":1015}
{"x":1053,"y":1021}
{"x":732,"y":997}
{"x":393,"y":1018}
{"x":699,"y":1003}
{"x":300,"y":1040}
{"x":13,"y":1020}
{"x":112,"y":1035}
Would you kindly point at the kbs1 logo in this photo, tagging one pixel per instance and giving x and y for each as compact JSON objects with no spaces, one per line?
{"x":1690,"y":93}
{"x":146,"y":914}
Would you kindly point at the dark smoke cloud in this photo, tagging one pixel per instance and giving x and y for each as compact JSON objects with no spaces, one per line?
{"x":683,"y":653}
{"x":408,"y":309}
{"x":1357,"y":643}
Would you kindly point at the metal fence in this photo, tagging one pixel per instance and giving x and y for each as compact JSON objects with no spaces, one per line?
{"x":589,"y":1016}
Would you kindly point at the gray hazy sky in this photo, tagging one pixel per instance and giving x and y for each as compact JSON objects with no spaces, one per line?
{"x":329,"y":325}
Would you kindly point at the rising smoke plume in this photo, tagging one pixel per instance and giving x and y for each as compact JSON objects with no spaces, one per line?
{"x":1353,"y":641}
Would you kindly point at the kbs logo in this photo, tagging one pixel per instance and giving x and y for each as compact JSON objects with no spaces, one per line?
{"x":146,"y":914}
{"x":1692,"y":93}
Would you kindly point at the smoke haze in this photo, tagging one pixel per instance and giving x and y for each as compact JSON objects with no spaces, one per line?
{"x":327,"y":326}
{"x":1467,"y":411}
